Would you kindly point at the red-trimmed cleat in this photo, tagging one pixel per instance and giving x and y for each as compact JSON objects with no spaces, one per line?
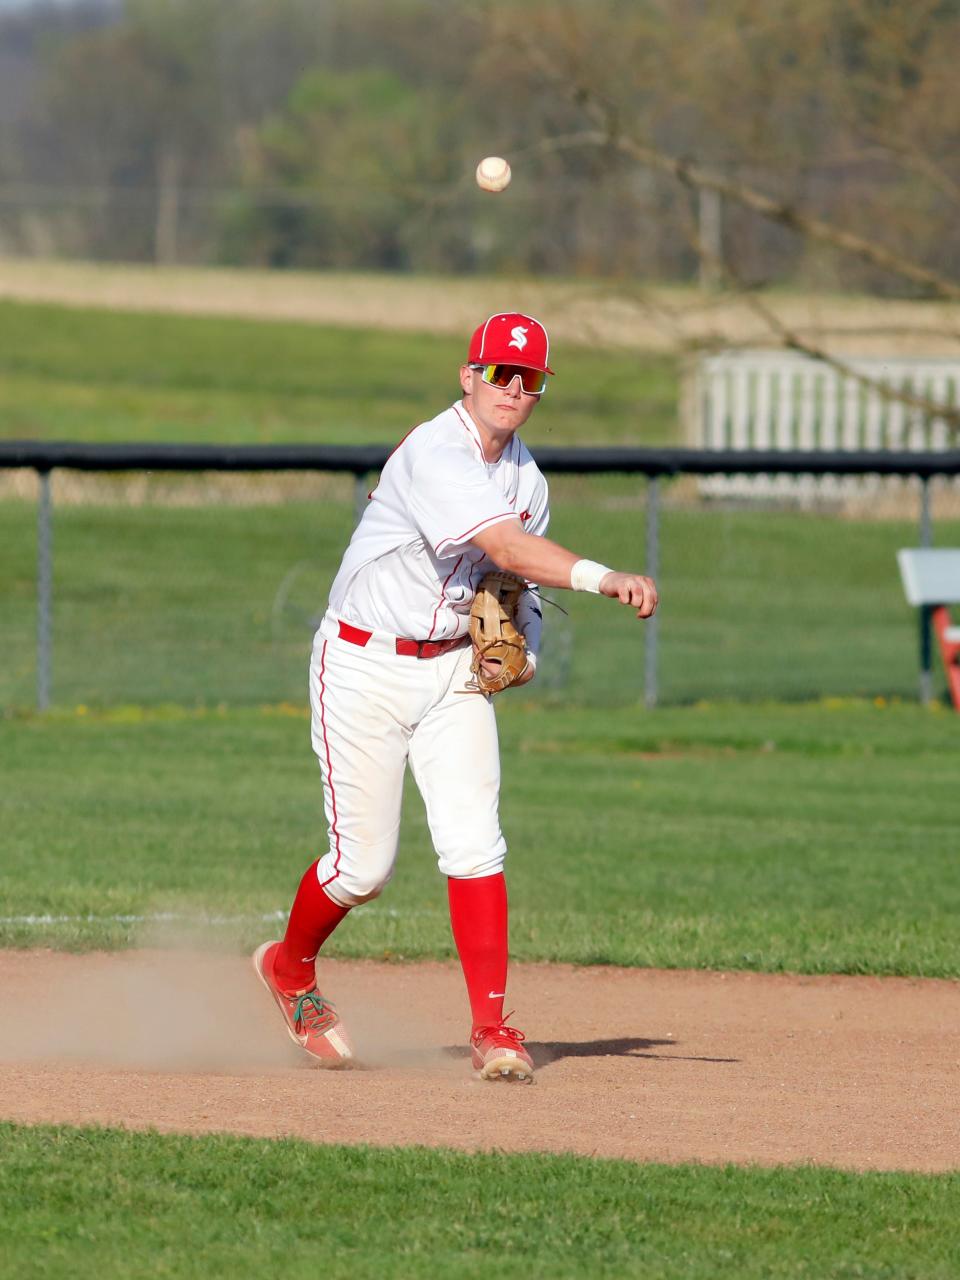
{"x":311,"y":1020}
{"x":498,"y":1053}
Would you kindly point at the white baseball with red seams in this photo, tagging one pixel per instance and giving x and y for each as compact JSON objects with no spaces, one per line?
{"x":493,"y":173}
{"x":411,"y":571}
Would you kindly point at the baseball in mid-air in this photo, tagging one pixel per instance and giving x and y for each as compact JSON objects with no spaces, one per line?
{"x":493,"y":173}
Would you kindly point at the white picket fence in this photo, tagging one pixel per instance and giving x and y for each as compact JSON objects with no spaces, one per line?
{"x":779,"y":400}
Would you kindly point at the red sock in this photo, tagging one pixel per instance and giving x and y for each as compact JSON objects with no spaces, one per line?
{"x":313,"y":917}
{"x":478,"y":918}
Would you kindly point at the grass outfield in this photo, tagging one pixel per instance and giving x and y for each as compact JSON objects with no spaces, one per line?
{"x":69,"y":374}
{"x":810,"y":838}
{"x":104,"y":1204}
{"x":208,"y":603}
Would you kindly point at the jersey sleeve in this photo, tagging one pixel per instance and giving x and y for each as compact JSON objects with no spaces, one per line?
{"x":452,"y":499}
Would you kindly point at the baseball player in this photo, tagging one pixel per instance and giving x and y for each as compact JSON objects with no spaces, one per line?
{"x":390,"y":682}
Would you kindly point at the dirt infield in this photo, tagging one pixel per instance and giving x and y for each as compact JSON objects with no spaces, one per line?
{"x":859,"y":1073}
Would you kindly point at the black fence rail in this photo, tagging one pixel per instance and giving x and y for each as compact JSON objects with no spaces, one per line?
{"x":640,"y":511}
{"x":360,"y":460}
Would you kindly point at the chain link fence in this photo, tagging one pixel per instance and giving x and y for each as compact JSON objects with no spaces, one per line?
{"x":203,"y":587}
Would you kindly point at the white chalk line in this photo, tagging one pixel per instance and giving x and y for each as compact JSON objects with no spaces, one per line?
{"x":178,"y":917}
{"x":160,"y":917}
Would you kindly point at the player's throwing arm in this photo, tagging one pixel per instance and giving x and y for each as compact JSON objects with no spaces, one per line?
{"x":551,"y":565}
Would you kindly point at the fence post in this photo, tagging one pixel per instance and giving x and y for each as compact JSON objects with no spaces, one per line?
{"x":652,"y":569}
{"x":926,"y":519}
{"x":710,"y":231}
{"x":926,"y":647}
{"x":44,"y":591}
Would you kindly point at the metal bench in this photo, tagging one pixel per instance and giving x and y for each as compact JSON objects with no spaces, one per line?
{"x":931,"y":583}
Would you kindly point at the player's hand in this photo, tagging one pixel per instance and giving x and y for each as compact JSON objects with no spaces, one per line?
{"x":491,"y":668}
{"x":633,"y":589}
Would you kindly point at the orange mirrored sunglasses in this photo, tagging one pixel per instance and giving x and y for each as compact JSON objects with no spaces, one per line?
{"x":533,"y":382}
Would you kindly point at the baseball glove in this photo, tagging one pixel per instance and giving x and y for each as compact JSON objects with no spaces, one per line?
{"x":496,"y":640}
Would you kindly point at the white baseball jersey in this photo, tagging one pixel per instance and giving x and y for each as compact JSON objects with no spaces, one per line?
{"x":410,"y":569}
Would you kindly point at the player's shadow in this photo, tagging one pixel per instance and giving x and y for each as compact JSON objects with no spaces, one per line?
{"x":544,"y":1052}
{"x":547,"y":1051}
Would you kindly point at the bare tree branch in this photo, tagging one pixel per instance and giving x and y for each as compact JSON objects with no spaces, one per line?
{"x":792,"y":340}
{"x":610,"y":133}
{"x":787,"y":215}
{"x":900,"y":151}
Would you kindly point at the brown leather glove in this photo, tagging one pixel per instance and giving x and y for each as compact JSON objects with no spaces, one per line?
{"x":496,"y":640}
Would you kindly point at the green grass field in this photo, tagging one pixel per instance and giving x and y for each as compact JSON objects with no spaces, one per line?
{"x":810,"y":838}
{"x":69,"y":374}
{"x":174,"y":777}
{"x":213,"y":601}
{"x":211,"y":604}
{"x":102,"y":1204}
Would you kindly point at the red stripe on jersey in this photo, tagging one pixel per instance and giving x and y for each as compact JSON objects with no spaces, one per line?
{"x":401,"y":441}
{"x":504,"y":515}
{"x":471,"y":430}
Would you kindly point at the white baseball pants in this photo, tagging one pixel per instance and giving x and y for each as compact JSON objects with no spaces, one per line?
{"x":372,"y":710}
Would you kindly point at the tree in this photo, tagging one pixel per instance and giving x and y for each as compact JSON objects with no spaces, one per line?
{"x":339,"y":175}
{"x":797,"y":92}
{"x":141,"y":117}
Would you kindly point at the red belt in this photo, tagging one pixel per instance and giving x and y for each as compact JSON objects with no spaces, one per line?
{"x":407,"y":648}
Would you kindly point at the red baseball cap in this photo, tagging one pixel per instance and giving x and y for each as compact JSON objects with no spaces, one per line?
{"x":511,"y":338}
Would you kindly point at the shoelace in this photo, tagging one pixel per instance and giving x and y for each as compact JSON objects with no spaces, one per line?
{"x":501,"y":1030}
{"x":324,"y":1014}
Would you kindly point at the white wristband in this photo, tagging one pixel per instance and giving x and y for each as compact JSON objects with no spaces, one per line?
{"x":587,"y":574}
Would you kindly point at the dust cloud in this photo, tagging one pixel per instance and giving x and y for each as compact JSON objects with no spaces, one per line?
{"x":173,"y":1006}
